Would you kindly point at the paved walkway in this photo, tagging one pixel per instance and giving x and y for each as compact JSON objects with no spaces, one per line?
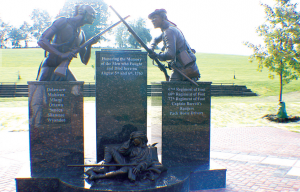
{"x":256,"y":158}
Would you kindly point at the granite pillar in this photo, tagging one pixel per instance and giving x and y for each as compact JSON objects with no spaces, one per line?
{"x":55,"y":126}
{"x":121,"y":96}
{"x":186,"y":112}
{"x":185,"y":123}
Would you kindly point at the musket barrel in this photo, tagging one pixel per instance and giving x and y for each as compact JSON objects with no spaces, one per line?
{"x":140,"y":41}
{"x":61,"y":69}
{"x":104,"y":165}
{"x":161,"y":66}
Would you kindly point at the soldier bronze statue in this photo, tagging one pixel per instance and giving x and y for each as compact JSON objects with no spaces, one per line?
{"x":60,"y":39}
{"x":176,"y":49}
{"x":133,"y":159}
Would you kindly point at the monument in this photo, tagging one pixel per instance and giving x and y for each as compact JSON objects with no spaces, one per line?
{"x":56,"y":126}
{"x":121,"y":96}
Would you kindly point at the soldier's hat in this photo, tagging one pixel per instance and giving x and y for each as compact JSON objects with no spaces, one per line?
{"x":160,"y":12}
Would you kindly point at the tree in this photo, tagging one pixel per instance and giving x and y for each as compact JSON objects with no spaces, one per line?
{"x":100,"y":22}
{"x":124,"y":39}
{"x":41,"y":20}
{"x":16,"y":36}
{"x":4,"y":30}
{"x":281,"y":52}
{"x":121,"y":36}
{"x":140,"y":28}
{"x":25,"y":31}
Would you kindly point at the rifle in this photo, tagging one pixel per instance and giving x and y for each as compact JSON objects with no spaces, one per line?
{"x":61,"y":69}
{"x":140,"y":41}
{"x":160,"y":65}
{"x":104,"y":165}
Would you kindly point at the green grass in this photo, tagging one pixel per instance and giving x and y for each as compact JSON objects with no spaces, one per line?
{"x":248,"y":111}
{"x":26,"y":62}
{"x":214,"y":68}
{"x":240,"y":112}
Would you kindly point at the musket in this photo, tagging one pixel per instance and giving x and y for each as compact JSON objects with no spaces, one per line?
{"x":104,"y":165}
{"x":160,"y":65}
{"x":61,"y":69}
{"x":140,"y":41}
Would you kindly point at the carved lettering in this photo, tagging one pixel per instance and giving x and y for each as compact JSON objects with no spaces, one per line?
{"x":120,"y":66}
{"x":185,"y":101}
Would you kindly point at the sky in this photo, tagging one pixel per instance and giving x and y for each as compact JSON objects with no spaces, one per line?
{"x":209,"y":26}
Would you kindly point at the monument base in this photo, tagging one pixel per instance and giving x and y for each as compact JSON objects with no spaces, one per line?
{"x":176,"y":179}
{"x":206,"y":176}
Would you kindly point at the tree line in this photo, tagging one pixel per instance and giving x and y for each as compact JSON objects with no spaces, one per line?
{"x":11,"y":36}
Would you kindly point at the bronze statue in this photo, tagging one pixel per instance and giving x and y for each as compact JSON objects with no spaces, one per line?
{"x":60,"y":39}
{"x":133,"y":159}
{"x":176,"y":49}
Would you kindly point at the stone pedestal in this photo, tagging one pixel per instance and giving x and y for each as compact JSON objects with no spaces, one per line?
{"x":56,"y":135}
{"x":186,"y":133}
{"x":121,"y":96}
{"x":55,"y":126}
{"x":185,"y":123}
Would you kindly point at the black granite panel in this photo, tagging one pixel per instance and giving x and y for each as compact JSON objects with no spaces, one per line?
{"x":185,"y":123}
{"x":55,"y":125}
{"x":121,"y":96}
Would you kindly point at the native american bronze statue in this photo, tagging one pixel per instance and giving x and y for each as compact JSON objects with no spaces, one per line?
{"x":60,"y":39}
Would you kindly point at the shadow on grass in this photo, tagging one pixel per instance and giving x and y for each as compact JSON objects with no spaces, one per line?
{"x":274,"y":118}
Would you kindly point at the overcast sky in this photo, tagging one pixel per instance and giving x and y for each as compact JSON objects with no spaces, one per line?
{"x":210,"y":26}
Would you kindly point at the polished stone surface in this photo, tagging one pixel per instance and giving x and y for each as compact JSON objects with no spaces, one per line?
{"x":55,"y":126}
{"x":175,"y":180}
{"x":208,"y":176}
{"x":121,"y":96}
{"x":185,"y":123}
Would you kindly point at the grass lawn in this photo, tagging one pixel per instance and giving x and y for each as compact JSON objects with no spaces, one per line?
{"x":248,"y":111}
{"x":216,"y":68}
{"x":225,"y":112}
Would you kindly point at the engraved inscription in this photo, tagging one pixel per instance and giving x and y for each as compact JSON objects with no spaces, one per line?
{"x":56,"y":112}
{"x":121,"y":66}
{"x":185,"y":101}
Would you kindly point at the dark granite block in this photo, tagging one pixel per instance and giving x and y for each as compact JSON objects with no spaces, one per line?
{"x":121,"y":96}
{"x":185,"y":123}
{"x":56,"y":126}
{"x":37,"y":184}
{"x":208,"y":176}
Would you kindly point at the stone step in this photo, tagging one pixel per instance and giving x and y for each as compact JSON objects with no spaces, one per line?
{"x":19,"y":90}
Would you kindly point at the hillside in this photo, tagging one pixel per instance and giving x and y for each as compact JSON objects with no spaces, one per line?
{"x":216,"y":68}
